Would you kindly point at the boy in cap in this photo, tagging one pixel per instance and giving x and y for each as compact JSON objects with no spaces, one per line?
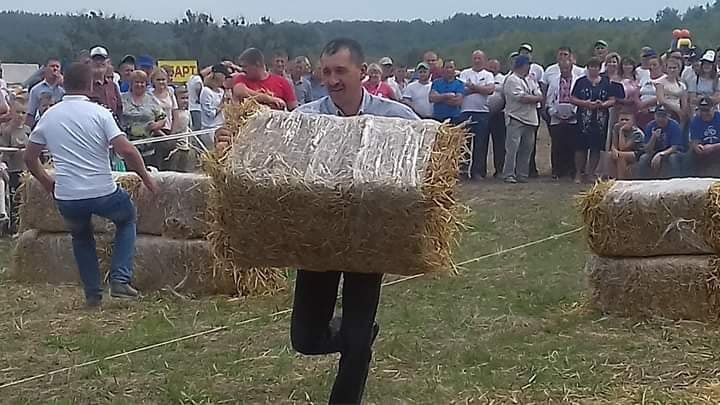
{"x":704,"y":137}
{"x":663,"y":142}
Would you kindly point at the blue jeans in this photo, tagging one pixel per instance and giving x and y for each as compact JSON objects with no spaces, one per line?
{"x":118,"y":208}
{"x":479,"y":126}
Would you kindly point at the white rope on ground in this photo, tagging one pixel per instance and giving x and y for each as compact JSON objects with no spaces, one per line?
{"x":275,"y":314}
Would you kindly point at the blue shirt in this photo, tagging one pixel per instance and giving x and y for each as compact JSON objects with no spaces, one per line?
{"x":124,"y":86}
{"x":317,"y":89}
{"x":443,"y":111}
{"x":56,"y":91}
{"x":670,"y":136}
{"x":705,"y":133}
{"x":371,"y":105}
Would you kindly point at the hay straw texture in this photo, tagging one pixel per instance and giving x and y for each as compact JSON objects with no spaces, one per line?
{"x":184,"y":265}
{"x":673,"y":287}
{"x":364,"y":194}
{"x":649,"y":218}
{"x":178,"y":211}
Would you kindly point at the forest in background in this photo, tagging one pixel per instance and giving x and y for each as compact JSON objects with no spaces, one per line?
{"x":32,"y":38}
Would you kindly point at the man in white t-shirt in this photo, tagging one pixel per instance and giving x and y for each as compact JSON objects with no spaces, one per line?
{"x":552,"y":73}
{"x":479,"y":84}
{"x":536,"y":71}
{"x":417,"y":94}
{"x":79,"y":133}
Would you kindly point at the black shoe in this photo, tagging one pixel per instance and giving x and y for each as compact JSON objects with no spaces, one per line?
{"x":122,"y":290}
{"x":94,"y":302}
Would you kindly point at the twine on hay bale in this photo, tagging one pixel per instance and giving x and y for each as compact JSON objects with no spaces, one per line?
{"x":651,"y":218}
{"x":673,"y":287}
{"x":364,"y":194}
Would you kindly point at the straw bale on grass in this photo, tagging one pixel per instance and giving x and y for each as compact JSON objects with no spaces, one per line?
{"x":184,"y":265}
{"x":651,"y":218}
{"x":178,"y":211}
{"x":363,"y":194}
{"x":673,"y":287}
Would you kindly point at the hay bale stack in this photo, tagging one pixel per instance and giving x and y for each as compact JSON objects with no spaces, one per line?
{"x":364,"y":194}
{"x":652,"y":218}
{"x":673,"y":287}
{"x":178,"y":211}
{"x":184,"y":265}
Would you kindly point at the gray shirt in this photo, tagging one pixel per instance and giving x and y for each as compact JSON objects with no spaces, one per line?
{"x":303,"y":91}
{"x":56,"y":91}
{"x":371,"y":105}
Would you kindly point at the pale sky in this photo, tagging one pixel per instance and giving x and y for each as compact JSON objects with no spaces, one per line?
{"x":323,"y":10}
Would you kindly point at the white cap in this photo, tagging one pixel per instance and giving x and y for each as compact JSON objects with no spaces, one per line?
{"x":99,"y":51}
{"x":386,"y":61}
{"x":708,"y":56}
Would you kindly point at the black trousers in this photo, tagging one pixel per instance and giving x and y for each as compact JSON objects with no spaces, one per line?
{"x":498,"y":132}
{"x":562,"y":149}
{"x":313,"y":330}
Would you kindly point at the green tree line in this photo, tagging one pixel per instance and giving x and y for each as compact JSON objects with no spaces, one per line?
{"x":32,"y":38}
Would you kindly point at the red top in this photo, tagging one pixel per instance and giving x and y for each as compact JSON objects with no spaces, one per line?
{"x":274,"y":85}
{"x":381,"y":90}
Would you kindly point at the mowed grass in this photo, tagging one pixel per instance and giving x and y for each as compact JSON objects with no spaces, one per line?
{"x":513,"y":328}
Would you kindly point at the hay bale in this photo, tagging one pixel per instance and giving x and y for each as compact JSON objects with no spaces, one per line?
{"x":184,"y":265}
{"x":673,"y":287}
{"x":178,"y":211}
{"x":364,"y":194}
{"x":650,"y":218}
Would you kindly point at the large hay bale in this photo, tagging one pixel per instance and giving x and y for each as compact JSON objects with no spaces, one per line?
{"x":364,"y":194}
{"x":650,"y":218}
{"x":184,"y":265}
{"x":178,"y":211}
{"x":673,"y":287}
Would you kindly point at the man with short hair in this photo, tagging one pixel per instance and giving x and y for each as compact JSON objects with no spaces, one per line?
{"x":314,"y":329}
{"x":317,"y":87}
{"x":417,"y":93}
{"x":663,"y":143}
{"x":600,"y":51}
{"x":496,"y":123}
{"x":280,"y":64}
{"x":302,"y":86}
{"x":551,"y":74}
{"x":125,"y":69}
{"x":643,"y":71}
{"x":432,"y":60}
{"x":536,"y":71}
{"x":104,"y":92}
{"x":79,"y":135}
{"x":51,"y":83}
{"x":704,"y":139}
{"x":447,"y":94}
{"x":388,"y":71}
{"x":563,"y":125}
{"x":522,"y":121}
{"x":534,"y":78}
{"x":267,"y":88}
{"x":479,"y":84}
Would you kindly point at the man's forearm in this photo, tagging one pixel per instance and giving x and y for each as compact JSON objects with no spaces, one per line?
{"x":39,"y":172}
{"x":135,"y":163}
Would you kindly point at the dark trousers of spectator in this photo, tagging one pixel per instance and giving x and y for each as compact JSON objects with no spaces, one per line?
{"x":14,"y":183}
{"x":313,"y":330}
{"x":533,"y":165}
{"x":671,"y":166}
{"x":498,"y":132}
{"x":562,"y":149}
{"x":478,"y":125}
{"x":195,"y":120}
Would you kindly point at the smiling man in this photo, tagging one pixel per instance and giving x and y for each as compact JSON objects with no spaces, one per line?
{"x":315,"y":330}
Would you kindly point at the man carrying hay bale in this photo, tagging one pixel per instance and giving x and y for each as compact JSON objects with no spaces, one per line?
{"x":314,"y":329}
{"x":78,"y":134}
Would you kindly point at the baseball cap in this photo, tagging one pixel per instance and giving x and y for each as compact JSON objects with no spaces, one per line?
{"x":128,"y":59}
{"x":525,"y":47}
{"x":422,"y":65}
{"x":601,"y":43}
{"x":708,"y":56}
{"x":648,"y":53}
{"x":705,"y":103}
{"x":661,"y":110}
{"x":521,"y":61}
{"x":99,"y":51}
{"x":514,"y":54}
{"x":386,"y":61}
{"x":145,"y":61}
{"x":220,"y":68}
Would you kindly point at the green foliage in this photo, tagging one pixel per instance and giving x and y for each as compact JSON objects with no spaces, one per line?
{"x":34,"y":37}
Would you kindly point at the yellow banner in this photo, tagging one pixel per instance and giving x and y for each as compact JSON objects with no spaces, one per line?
{"x":182,"y":70}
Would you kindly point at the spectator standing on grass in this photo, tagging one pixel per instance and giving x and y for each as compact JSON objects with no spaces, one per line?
{"x":672,"y":93}
{"x":593,"y":97}
{"x":627,"y":144}
{"x":447,"y":94}
{"x":601,"y":50}
{"x":706,"y":82}
{"x":563,"y":54}
{"x":14,"y":134}
{"x":79,"y":134}
{"x":417,"y":93}
{"x":479,"y":84}
{"x":165,"y":95}
{"x":704,"y":139}
{"x":432,"y":60}
{"x":563,"y":125}
{"x":314,"y":328}
{"x":142,"y":116}
{"x":631,"y":87}
{"x":663,"y":143}
{"x":648,"y":91}
{"x":522,"y":120}
{"x":104,"y":92}
{"x":375,"y":85}
{"x":388,"y":72}
{"x":51,"y":83}
{"x":269,"y":89}
{"x":125,"y":69}
{"x":194,"y":87}
{"x":212,"y":98}
{"x":401,"y":79}
{"x":303,"y":89}
{"x":496,"y":123}
{"x":533,"y":79}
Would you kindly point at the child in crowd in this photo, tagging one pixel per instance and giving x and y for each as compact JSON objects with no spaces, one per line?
{"x":183,"y":156}
{"x":627,"y":144}
{"x":46,"y":102}
{"x":14,"y":134}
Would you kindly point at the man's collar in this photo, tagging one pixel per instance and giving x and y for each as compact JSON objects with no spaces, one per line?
{"x":75,"y":97}
{"x":335,"y":110}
